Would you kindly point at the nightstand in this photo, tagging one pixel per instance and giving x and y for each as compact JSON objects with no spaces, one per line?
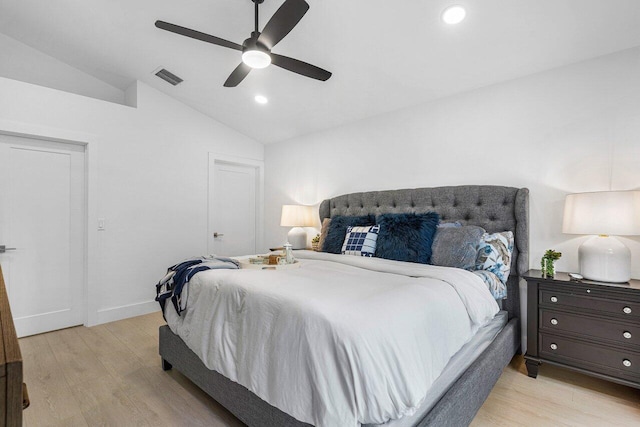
{"x":589,"y":327}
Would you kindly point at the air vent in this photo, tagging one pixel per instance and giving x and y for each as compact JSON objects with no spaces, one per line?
{"x":169,"y":77}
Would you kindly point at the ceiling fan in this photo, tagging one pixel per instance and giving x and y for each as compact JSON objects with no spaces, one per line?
{"x":256,"y":50}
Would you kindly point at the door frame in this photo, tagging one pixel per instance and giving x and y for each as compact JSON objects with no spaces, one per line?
{"x":90,"y":205}
{"x":258,"y":165}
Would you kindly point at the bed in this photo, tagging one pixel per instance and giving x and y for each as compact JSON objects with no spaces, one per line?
{"x":470,"y":375}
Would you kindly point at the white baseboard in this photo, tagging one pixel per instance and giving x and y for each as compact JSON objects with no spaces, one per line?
{"x":107,"y":315}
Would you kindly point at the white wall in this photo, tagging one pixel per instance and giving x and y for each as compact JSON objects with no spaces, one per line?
{"x":21,"y":62}
{"x":567,"y":130}
{"x":148,"y":171}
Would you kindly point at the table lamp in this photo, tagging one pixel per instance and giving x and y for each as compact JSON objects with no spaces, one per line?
{"x":607,"y":213}
{"x":297,"y":216}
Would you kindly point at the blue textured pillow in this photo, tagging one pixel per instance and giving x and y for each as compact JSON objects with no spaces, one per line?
{"x":406,"y":237}
{"x":338,"y":230}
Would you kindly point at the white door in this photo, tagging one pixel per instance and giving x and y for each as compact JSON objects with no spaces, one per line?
{"x":232,"y":209}
{"x":42,"y":224}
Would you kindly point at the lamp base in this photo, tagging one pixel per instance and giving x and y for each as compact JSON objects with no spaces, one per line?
{"x":297,"y":237}
{"x":605,"y":259}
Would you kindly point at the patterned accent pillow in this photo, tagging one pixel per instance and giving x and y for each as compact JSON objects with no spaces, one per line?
{"x":495,"y":285}
{"x":494,"y":254}
{"x":361,"y":241}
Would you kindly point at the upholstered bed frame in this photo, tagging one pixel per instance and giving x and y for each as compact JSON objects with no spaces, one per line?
{"x":494,"y":208}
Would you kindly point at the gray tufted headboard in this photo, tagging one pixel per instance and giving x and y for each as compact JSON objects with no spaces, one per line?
{"x":491,"y":207}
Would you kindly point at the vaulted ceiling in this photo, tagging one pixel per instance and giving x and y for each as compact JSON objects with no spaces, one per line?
{"x":384,"y":55}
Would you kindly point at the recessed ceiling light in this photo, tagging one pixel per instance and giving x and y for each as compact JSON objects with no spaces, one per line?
{"x":454,"y":15}
{"x":261,"y":99}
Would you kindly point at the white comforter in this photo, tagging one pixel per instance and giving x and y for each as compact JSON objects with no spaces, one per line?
{"x":340,"y":341}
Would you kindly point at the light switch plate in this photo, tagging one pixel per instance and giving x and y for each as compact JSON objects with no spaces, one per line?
{"x":101,"y":224}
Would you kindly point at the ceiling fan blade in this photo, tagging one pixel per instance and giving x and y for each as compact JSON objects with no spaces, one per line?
{"x":197,"y":35}
{"x":282,"y":22}
{"x":300,"y":67}
{"x":237,"y":75}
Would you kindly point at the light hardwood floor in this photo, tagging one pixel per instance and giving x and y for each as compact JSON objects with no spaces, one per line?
{"x":110,"y":375}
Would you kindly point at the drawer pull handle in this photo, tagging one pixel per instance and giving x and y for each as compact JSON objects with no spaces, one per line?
{"x":626,"y":334}
{"x":626,"y":310}
{"x":554,"y":299}
{"x":554,"y":321}
{"x":626,"y":362}
{"x":554,"y":346}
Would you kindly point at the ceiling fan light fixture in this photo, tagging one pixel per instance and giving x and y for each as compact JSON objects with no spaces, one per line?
{"x":454,"y":15}
{"x":256,"y":50}
{"x":256,"y":58}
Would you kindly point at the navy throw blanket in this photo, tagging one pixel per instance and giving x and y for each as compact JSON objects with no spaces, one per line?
{"x":179,"y":275}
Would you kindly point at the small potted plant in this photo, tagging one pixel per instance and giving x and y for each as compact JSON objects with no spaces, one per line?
{"x":315,"y":243}
{"x":547,"y":262}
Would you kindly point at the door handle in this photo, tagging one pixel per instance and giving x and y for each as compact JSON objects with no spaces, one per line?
{"x":3,"y":249}
{"x":216,"y":235}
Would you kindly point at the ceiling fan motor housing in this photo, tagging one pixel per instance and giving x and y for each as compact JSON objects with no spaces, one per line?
{"x":252,"y":43}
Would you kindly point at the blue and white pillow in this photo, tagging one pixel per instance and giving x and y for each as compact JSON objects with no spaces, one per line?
{"x":361,"y":241}
{"x":495,"y":285}
{"x":494,"y":254}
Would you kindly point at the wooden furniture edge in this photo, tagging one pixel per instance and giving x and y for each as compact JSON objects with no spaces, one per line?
{"x":11,"y":390}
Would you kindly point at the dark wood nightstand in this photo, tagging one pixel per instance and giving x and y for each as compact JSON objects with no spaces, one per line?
{"x":589,"y":327}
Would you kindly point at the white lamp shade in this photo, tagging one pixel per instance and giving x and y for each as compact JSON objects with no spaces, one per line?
{"x":297,"y":216}
{"x":605,"y":213}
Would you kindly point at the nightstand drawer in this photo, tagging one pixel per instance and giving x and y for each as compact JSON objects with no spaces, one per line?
{"x":597,"y":358}
{"x":623,"y":333}
{"x":593,"y":303}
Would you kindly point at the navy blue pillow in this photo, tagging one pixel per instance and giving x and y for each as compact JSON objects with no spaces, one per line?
{"x":406,"y":237}
{"x":338,"y":231}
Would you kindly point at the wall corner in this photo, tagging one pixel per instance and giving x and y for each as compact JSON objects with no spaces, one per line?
{"x":131,"y":95}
